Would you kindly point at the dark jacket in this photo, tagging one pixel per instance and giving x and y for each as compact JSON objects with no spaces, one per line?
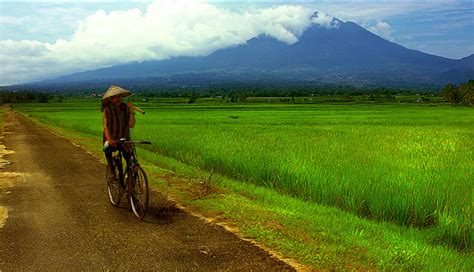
{"x":116,"y":120}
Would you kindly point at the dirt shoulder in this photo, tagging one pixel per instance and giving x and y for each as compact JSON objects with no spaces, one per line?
{"x":59,"y":217}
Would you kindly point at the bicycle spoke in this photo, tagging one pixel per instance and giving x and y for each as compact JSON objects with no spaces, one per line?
{"x":139,"y":196}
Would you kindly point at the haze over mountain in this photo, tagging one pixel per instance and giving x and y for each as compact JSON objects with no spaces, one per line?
{"x":338,"y":53}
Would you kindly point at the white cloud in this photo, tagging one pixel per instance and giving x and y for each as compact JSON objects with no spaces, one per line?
{"x":165,"y":29}
{"x":11,"y":20}
{"x":324,"y":20}
{"x":382,"y":29}
{"x":362,"y":11}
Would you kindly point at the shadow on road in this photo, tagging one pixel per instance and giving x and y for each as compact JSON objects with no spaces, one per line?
{"x":162,"y":215}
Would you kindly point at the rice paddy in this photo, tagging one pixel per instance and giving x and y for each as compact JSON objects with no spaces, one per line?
{"x":411,"y":165}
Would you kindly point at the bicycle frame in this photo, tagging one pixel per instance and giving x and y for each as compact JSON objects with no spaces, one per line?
{"x":129,"y":146}
{"x":133,"y":178}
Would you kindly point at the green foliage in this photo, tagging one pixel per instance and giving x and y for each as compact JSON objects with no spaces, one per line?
{"x":464,"y":94}
{"x":193,"y":97}
{"x":467,"y":89}
{"x":238,"y":96}
{"x":29,"y":97}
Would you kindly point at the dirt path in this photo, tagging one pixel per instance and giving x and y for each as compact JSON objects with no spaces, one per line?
{"x":57,"y":217}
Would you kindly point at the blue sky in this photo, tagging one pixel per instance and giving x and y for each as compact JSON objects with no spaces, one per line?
{"x":444,"y":28}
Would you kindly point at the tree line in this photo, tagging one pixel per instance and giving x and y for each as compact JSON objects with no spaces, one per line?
{"x":29,"y":97}
{"x":456,"y":95}
{"x":459,"y":95}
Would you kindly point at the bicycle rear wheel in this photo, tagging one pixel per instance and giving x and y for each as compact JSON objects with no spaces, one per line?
{"x":114,"y":187}
{"x":139,"y":192}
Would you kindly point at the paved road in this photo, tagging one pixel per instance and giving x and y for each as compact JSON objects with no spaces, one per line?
{"x":59,"y":217}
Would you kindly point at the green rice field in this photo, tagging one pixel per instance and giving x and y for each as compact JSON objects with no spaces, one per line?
{"x":408,"y":164}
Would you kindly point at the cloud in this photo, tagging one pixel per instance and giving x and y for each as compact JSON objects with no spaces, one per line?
{"x":11,"y":20}
{"x":362,"y":11}
{"x":164,"y":29}
{"x":325,"y":20}
{"x":382,"y":29}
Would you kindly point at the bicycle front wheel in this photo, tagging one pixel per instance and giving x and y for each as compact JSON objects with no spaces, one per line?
{"x":139,"y":192}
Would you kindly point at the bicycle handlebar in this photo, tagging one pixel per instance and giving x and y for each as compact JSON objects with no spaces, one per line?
{"x":124,"y":141}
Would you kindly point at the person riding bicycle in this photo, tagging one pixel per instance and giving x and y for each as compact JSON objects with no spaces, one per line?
{"x":118,"y":118}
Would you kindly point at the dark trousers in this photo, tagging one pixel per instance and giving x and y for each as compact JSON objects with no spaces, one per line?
{"x":108,"y":155}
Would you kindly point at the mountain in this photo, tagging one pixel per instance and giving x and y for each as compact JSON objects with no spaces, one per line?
{"x":339,"y":53}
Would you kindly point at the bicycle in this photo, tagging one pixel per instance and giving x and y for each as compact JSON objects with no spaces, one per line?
{"x":133,"y":180}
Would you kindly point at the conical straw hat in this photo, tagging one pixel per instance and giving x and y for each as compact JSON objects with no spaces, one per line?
{"x":116,"y":90}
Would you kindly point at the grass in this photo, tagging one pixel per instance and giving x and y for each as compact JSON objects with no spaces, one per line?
{"x":406,"y":164}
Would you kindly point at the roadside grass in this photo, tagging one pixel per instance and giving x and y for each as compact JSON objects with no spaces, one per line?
{"x":316,"y":235}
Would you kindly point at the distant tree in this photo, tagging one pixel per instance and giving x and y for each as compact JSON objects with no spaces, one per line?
{"x":193,"y":97}
{"x":467,"y":89}
{"x":349,"y":98}
{"x":58,"y":98}
{"x":238,"y":96}
{"x":389,"y":97}
{"x":24,"y":97}
{"x":243,"y":96}
{"x":233,"y":97}
{"x":42,"y":98}
{"x":464,"y":94}
{"x":450,"y":93}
